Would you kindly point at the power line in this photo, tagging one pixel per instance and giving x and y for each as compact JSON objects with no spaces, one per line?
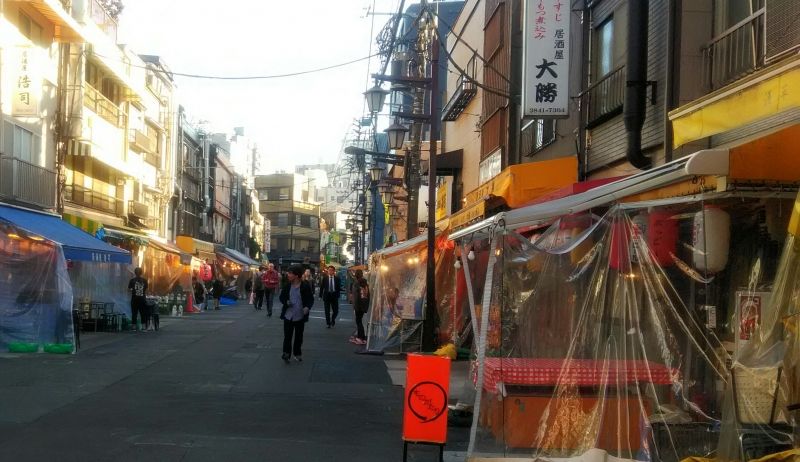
{"x":250,"y":77}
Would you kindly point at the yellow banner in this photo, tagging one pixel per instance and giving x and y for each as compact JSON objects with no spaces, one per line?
{"x":441,"y":200}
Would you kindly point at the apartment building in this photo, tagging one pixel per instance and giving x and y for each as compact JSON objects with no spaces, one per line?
{"x":285,"y":199}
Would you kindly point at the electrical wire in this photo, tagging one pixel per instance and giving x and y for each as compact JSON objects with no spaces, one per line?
{"x":250,"y":77}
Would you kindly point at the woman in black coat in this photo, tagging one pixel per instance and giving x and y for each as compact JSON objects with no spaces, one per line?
{"x":297,"y":298}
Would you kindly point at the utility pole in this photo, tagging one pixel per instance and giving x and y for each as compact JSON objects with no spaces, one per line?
{"x":429,"y":324}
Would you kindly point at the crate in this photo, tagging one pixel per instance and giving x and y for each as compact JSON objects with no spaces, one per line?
{"x":675,"y":442}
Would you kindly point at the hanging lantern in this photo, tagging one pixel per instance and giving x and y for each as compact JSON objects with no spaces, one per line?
{"x":375,"y":97}
{"x":457,"y":264}
{"x":711,"y":239}
{"x":662,"y":237}
{"x":618,"y":257}
{"x":471,"y":255}
{"x":397,"y":135}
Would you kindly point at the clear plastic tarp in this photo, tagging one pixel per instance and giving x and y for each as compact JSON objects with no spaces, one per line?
{"x":102,"y":282}
{"x":35,"y":294}
{"x":164,"y":272}
{"x":650,"y":332}
{"x":397,"y":281}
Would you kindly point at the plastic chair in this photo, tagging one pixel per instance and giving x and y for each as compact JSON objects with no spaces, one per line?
{"x":759,"y":434}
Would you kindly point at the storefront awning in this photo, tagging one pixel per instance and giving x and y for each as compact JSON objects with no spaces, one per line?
{"x":522,"y":183}
{"x":708,"y":162}
{"x":65,"y":28}
{"x":77,"y":245}
{"x":763,"y":94}
{"x":244,"y":259}
{"x":195,"y":247}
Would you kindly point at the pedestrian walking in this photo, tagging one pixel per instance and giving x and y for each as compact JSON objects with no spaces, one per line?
{"x":272,"y":281}
{"x":217,"y":289}
{"x":138,"y":289}
{"x":297,"y":298}
{"x":359,"y":297}
{"x":329,"y":291}
{"x":258,"y":289}
{"x":308,"y":277}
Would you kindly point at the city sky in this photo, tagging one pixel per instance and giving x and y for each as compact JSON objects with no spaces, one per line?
{"x":294,"y":120}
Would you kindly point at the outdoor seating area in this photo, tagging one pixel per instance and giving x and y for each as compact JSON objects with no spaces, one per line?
{"x":95,"y":316}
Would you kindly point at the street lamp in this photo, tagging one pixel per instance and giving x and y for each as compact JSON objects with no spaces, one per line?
{"x":375,"y":97}
{"x":375,"y":173}
{"x":397,"y":135}
{"x":387,"y":194}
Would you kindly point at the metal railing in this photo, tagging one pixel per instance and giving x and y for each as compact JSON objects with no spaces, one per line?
{"x":605,"y":98}
{"x":736,"y":52}
{"x":103,"y":106}
{"x":79,"y":195}
{"x":23,"y":181}
{"x":103,"y":20}
{"x":222,"y":208}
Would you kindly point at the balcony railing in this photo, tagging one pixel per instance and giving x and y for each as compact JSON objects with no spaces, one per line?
{"x":103,"y":20}
{"x":736,"y":52}
{"x":143,"y":141}
{"x":222,"y":208}
{"x":79,"y":195}
{"x":464,"y":92}
{"x":605,"y":98}
{"x":21,"y":181}
{"x":103,"y":106}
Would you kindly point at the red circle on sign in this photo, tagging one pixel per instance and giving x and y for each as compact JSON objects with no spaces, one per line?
{"x":427,"y":401}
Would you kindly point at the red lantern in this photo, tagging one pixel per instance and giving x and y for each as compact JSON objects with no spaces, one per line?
{"x":618,"y":257}
{"x":662,"y":237}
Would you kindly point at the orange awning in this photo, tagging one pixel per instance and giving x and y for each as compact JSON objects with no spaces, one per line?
{"x":520,"y":184}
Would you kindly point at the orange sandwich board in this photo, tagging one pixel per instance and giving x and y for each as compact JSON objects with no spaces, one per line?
{"x":426,"y":397}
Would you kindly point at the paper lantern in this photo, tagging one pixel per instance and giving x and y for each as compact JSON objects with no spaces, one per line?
{"x":662,"y":237}
{"x":711,"y":239}
{"x":618,"y":257}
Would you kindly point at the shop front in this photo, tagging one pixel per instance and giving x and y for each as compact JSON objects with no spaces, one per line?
{"x":44,"y":260}
{"x":645,"y":319}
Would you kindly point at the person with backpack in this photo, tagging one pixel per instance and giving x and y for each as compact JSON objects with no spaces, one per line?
{"x":359,"y":297}
{"x":297,"y":298}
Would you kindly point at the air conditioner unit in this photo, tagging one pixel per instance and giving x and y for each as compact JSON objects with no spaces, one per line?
{"x":137,"y":209}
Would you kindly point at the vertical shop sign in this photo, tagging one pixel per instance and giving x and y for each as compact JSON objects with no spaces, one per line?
{"x":426,"y":395}
{"x":267,"y":236}
{"x":25,"y":97}
{"x":546,"y":31}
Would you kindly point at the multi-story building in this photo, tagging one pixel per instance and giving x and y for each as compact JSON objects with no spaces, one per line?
{"x":35,"y":37}
{"x":190,"y":166}
{"x":117,"y":139}
{"x":221,"y":181}
{"x":285,"y":200}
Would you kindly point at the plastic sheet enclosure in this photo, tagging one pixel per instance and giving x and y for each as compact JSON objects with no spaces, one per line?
{"x":398,"y":291}
{"x":102,"y":282}
{"x":650,"y":333}
{"x":35,"y":293}
{"x":164,"y":272}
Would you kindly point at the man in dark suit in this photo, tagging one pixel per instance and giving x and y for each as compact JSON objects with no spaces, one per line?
{"x":329,"y":290}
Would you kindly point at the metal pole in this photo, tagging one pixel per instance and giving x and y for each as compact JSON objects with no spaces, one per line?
{"x":429,"y":325}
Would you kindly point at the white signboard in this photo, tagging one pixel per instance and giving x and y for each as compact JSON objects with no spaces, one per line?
{"x":267,"y":235}
{"x":27,"y":87}
{"x":545,"y":91}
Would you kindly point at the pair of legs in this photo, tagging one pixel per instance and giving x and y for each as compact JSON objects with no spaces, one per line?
{"x":268,"y":297}
{"x":293,"y":338}
{"x":258,"y":299}
{"x":138,"y":309}
{"x":331,"y":310}
{"x":360,"y":334}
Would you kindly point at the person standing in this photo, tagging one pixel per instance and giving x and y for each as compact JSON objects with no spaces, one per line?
{"x":359,"y":297}
{"x":271,"y":280}
{"x":297,"y":298}
{"x":138,"y":289}
{"x":258,"y":288}
{"x":217,"y":289}
{"x":329,"y":290}
{"x":199,"y":294}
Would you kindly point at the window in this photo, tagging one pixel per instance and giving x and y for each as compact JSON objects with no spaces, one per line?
{"x":605,"y":47}
{"x":283,"y":219}
{"x":298,"y":219}
{"x":22,"y":143}
{"x":545,"y":133}
{"x":728,"y":13}
{"x":314,"y":223}
{"x":30,"y":28}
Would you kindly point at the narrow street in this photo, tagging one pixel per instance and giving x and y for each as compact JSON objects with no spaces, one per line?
{"x":205,"y":387}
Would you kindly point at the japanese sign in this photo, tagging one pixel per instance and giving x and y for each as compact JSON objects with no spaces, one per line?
{"x":441,"y":200}
{"x":426,"y":395}
{"x":25,"y":96}
{"x":749,"y":310}
{"x":546,"y":65}
{"x":267,"y":235}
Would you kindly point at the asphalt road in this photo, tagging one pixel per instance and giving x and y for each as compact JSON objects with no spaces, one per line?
{"x":206,"y":387}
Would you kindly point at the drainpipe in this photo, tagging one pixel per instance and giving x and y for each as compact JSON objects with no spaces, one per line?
{"x":636,"y":84}
{"x":673,"y":72}
{"x":586,"y":44}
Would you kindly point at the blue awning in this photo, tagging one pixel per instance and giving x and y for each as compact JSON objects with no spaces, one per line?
{"x":77,"y":245}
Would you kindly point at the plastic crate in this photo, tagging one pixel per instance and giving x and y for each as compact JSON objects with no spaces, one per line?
{"x":675,"y":442}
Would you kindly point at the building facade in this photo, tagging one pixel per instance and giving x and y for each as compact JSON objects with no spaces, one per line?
{"x":285,"y":200}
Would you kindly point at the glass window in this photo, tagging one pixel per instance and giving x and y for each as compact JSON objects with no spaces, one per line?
{"x":283,"y":219}
{"x":30,"y":28}
{"x":23,"y":144}
{"x":605,"y":47}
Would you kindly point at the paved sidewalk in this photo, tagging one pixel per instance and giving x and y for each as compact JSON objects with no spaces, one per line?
{"x":206,"y":387}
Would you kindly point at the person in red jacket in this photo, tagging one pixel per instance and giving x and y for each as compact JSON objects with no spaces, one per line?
{"x":271,"y":281}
